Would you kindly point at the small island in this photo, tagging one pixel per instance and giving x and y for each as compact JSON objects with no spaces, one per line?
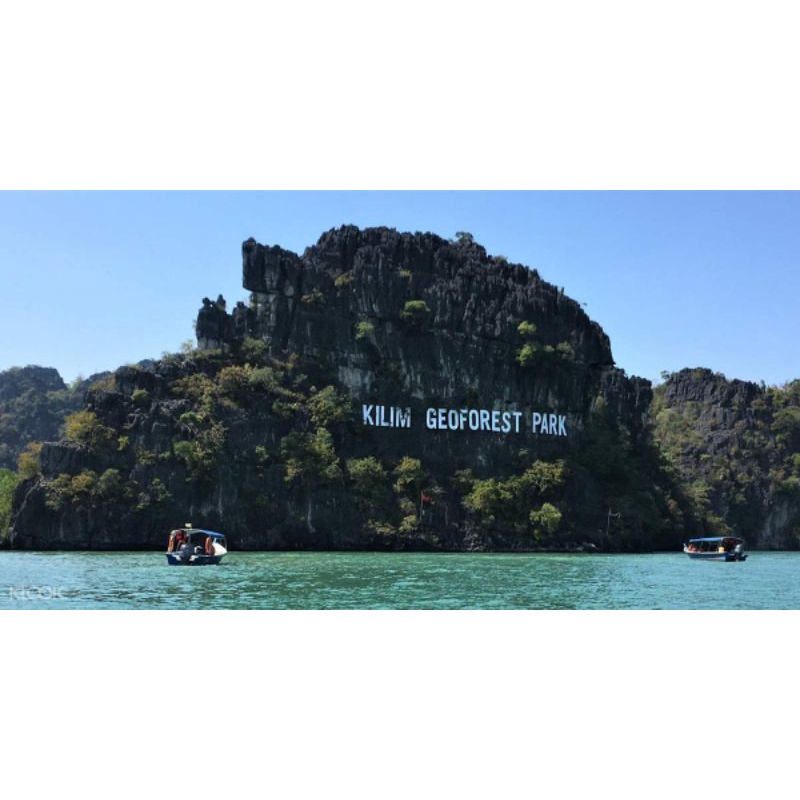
{"x":396,"y":391}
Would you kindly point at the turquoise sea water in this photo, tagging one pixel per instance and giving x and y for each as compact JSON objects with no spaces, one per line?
{"x":123,"y":580}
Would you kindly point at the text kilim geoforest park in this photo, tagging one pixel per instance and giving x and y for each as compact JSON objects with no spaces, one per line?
{"x":466,"y":419}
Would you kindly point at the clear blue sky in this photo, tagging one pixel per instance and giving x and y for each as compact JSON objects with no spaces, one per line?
{"x":93,"y":280}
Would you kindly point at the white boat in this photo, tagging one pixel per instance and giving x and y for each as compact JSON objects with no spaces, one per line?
{"x":716,"y":548}
{"x":195,"y":547}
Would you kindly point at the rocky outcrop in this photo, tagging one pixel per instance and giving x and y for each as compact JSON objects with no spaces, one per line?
{"x":314,"y":302}
{"x":272,"y":432}
{"x":33,"y":404}
{"x":736,"y":448}
{"x":218,"y":330}
{"x":461,"y":351}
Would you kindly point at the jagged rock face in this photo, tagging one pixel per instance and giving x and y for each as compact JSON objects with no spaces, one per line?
{"x":464,"y":350}
{"x":387,"y":319}
{"x":713,"y":390}
{"x":735,"y":445}
{"x":215,"y":328}
{"x":468,"y":340}
{"x":314,"y":303}
{"x":33,"y":403}
{"x":723,"y":408}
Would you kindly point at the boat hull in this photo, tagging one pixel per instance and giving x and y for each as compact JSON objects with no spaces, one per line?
{"x":717,"y":556}
{"x":194,"y":561}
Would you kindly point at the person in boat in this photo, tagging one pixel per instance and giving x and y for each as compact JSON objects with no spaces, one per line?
{"x":186,"y":549}
{"x":209,"y":546}
{"x":175,"y":540}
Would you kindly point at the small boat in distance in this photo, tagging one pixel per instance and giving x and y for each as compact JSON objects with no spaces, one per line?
{"x":716,"y":548}
{"x":194,"y":547}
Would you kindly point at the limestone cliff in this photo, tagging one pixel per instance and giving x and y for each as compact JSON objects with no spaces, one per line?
{"x":264,"y":433}
{"x":736,"y":447}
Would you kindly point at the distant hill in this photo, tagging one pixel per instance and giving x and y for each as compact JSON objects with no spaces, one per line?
{"x":735,"y":447}
{"x":33,"y":404}
{"x":34,"y":401}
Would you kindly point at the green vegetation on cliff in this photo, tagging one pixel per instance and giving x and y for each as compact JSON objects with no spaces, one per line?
{"x":507,"y":503}
{"x":416,"y":314}
{"x":724,"y":456}
{"x":8,"y":482}
{"x":533,"y":352}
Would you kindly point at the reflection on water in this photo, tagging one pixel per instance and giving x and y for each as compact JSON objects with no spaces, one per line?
{"x":399,"y":580}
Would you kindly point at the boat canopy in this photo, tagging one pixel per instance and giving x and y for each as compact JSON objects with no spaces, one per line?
{"x":212,"y":534}
{"x":716,"y":539}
